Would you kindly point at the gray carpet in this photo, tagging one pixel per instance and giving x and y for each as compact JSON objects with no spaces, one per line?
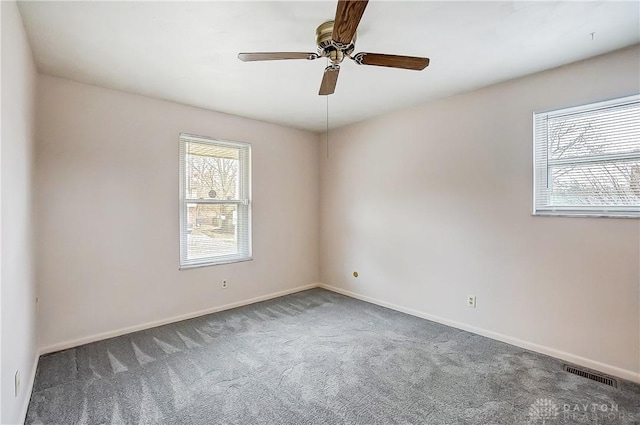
{"x":316,"y":357}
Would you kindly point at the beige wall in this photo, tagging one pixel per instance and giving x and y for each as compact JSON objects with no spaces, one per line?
{"x":19,"y":339}
{"x":433,"y":203}
{"x":107,"y":187}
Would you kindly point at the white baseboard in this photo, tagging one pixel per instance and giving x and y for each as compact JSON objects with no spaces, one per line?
{"x":568,"y":357}
{"x":32,"y":379}
{"x":106,"y":335}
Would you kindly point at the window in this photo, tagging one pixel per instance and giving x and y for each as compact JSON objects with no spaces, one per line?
{"x":215,"y":201}
{"x":587,"y":160}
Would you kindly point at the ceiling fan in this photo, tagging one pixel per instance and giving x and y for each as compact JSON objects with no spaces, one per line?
{"x":336,"y":40}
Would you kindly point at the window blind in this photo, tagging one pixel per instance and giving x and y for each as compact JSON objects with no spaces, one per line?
{"x":215,"y":201}
{"x":587,"y":159}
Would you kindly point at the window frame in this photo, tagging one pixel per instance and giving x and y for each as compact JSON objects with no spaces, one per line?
{"x":244,"y":201}
{"x":583,"y":210}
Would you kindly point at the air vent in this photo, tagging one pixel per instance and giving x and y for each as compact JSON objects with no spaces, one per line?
{"x":590,"y":375}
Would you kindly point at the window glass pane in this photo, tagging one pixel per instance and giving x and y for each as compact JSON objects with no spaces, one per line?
{"x":212,"y":171}
{"x":599,"y":184}
{"x":212,"y":230}
{"x":593,"y":133}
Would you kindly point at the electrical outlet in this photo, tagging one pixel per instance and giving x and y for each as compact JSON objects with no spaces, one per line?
{"x":224,"y":284}
{"x":471,"y":301}
{"x":17,"y":383}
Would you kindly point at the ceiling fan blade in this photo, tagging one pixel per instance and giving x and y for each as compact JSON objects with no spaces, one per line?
{"x":392,"y":61}
{"x":273,"y":56}
{"x":329,"y":80}
{"x":348,"y":15}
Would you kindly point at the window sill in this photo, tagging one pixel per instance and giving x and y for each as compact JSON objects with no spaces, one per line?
{"x":587,"y":214}
{"x":216,"y":263}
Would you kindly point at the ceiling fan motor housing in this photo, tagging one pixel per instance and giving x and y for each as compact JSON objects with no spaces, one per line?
{"x":326,"y":46}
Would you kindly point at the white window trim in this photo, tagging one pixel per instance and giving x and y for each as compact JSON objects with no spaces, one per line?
{"x":583,"y":211}
{"x":184,"y":264}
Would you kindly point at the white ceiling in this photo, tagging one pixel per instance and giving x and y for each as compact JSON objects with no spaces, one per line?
{"x":187,"y":51}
